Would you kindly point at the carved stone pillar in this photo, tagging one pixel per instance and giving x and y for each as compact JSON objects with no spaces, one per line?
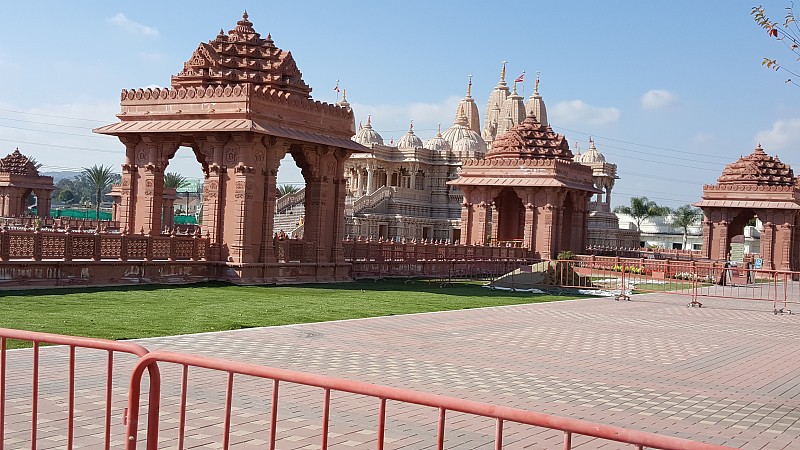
{"x":546,"y":236}
{"x":708,"y":229}
{"x":481,"y":223}
{"x":337,"y":212}
{"x":785,"y":235}
{"x":495,"y":223}
{"x":768,"y":245}
{"x":722,"y":240}
{"x":370,"y":180}
{"x":214,"y":193}
{"x":529,"y":230}
{"x":243,"y":221}
{"x":275,"y":151}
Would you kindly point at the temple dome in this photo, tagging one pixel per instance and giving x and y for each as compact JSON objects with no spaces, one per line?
{"x":592,"y":155}
{"x":758,"y":168}
{"x":530,"y":139}
{"x":410,"y":140}
{"x":18,"y":164}
{"x":465,"y":146}
{"x":366,"y":136}
{"x":460,"y":130}
{"x":438,"y":142}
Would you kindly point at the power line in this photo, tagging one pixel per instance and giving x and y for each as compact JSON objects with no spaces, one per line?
{"x":52,"y":116}
{"x":101,"y":136}
{"x":81,"y":127}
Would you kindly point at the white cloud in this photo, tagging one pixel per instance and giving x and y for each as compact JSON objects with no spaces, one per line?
{"x":576,"y":111}
{"x":784,"y":135}
{"x":131,"y":26}
{"x":657,"y":98}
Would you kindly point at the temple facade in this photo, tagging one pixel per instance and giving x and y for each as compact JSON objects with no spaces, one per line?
{"x":401,"y":191}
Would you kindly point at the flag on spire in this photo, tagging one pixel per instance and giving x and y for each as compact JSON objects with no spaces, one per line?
{"x":337,"y":87}
{"x":520,"y":78}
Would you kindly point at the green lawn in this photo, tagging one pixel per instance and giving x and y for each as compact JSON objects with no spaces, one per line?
{"x":157,"y":310}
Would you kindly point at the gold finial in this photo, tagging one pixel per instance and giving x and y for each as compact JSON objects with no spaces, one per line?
{"x":503,"y":72}
{"x":439,"y":130}
{"x":536,"y":86}
{"x":411,"y":126}
{"x":369,"y":120}
{"x":469,"y":86}
{"x":344,"y":95}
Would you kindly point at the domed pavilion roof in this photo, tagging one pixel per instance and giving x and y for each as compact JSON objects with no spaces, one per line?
{"x":592,"y":155}
{"x":18,"y":164}
{"x":759,"y":169}
{"x":366,"y":136}
{"x":530,"y":140}
{"x":410,"y":140}
{"x":438,"y":142}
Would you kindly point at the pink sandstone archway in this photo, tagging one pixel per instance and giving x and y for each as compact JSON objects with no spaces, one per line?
{"x":756,"y":185}
{"x":19,"y":178}
{"x":241,"y":105}
{"x":527,"y":191}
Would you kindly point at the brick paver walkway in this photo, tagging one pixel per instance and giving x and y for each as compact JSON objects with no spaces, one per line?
{"x":723,"y":374}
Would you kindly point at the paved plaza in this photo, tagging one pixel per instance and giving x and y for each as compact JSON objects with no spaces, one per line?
{"x":722,"y":374}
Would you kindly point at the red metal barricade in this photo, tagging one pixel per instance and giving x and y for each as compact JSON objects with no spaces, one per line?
{"x":381,"y":394}
{"x":72,"y":343}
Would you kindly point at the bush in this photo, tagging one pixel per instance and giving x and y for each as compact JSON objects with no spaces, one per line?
{"x":565,"y":255}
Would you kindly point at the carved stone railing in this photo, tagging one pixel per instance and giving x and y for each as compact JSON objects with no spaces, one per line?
{"x":293,"y":250}
{"x":411,"y":252}
{"x":39,"y":245}
{"x":290,"y":200}
{"x":372,"y":200}
{"x":61,"y":223}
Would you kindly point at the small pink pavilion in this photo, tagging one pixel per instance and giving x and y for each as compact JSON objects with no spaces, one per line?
{"x":756,"y":185}
{"x":527,"y":191}
{"x":19,"y":179}
{"x":240,"y":104}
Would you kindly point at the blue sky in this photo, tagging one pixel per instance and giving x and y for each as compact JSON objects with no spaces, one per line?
{"x":670,"y":90}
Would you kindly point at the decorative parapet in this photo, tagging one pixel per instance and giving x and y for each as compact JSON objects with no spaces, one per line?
{"x":194,"y":94}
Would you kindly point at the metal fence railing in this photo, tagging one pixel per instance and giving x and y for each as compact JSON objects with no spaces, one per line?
{"x":442,"y":405}
{"x":69,"y":373}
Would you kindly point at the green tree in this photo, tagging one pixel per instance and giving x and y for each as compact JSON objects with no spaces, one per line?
{"x":66,"y":196}
{"x":685,"y":217}
{"x":787,"y":33}
{"x":642,"y":208}
{"x":175,"y":181}
{"x":285,"y":189}
{"x":101,"y":178}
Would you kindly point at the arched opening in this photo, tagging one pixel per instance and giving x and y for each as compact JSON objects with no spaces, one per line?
{"x":290,"y":200}
{"x":511,"y":216}
{"x":182,"y":200}
{"x":744,"y":236}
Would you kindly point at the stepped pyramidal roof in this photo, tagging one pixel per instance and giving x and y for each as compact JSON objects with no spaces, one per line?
{"x":758,"y":168}
{"x":18,"y":164}
{"x":530,"y":140}
{"x":242,"y":57}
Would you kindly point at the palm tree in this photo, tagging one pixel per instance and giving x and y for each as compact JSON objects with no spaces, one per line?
{"x":641,"y":208}
{"x":101,"y":177}
{"x":685,"y":217}
{"x":175,"y":181}
{"x":285,"y":189}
